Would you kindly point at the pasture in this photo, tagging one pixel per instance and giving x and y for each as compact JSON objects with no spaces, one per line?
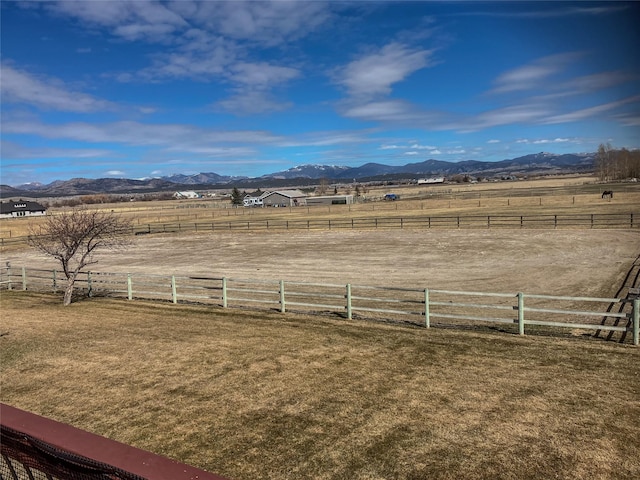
{"x":257,"y":394}
{"x":572,"y":195}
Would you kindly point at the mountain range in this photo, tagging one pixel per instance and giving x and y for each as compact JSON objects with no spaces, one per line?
{"x":535,"y":164}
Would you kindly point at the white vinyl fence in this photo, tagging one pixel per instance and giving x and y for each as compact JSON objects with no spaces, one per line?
{"x":414,"y":306}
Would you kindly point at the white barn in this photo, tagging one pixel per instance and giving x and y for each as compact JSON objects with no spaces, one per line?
{"x":189,"y":194}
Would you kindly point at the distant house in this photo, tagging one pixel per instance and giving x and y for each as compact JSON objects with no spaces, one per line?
{"x":284,"y":198}
{"x":21,"y":208}
{"x":249,"y":201}
{"x":186,"y":195}
{"x":422,"y":181}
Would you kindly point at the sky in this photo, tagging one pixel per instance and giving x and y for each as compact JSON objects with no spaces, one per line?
{"x":139,"y":89}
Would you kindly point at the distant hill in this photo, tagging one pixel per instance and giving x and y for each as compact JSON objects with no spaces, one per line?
{"x":538,"y":163}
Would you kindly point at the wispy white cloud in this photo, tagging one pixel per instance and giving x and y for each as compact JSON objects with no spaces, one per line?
{"x":597,"y":81}
{"x":390,"y":111}
{"x":540,"y":13}
{"x":251,"y":103}
{"x":128,"y":19}
{"x":267,"y":23}
{"x":375,"y":73}
{"x":13,"y":150}
{"x":19,"y":86}
{"x":186,"y":137}
{"x":628,"y":119}
{"x":254,"y":81}
{"x":542,"y":141}
{"x":585,"y":113}
{"x":532,"y":75}
{"x":114,"y":173}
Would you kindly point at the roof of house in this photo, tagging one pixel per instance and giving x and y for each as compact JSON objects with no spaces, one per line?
{"x":286,"y":193}
{"x":20,"y":206}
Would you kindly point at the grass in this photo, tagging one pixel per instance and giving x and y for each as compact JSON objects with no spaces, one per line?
{"x":261,"y":395}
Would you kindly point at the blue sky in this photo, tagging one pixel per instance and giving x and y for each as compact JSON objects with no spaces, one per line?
{"x":137,"y":89}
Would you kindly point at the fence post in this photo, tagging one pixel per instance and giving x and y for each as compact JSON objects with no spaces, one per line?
{"x":129,"y":287}
{"x":521,"y":313}
{"x":282,"y":304}
{"x":636,"y":321}
{"x":174,"y":294}
{"x":55,"y":281}
{"x":349,"y":311}
{"x":89,"y":289}
{"x":24,"y":278}
{"x":9,"y":285}
{"x":224,"y":292}
{"x":427,"y":320}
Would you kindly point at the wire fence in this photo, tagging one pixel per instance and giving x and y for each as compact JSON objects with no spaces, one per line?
{"x":416,"y":306}
{"x":549,"y":221}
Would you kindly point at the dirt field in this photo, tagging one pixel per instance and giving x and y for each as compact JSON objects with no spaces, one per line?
{"x":562,"y":262}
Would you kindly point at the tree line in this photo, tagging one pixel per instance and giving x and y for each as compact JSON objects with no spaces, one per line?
{"x":616,"y":164}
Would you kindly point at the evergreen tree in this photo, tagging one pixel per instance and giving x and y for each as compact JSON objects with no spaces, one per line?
{"x":236,"y":196}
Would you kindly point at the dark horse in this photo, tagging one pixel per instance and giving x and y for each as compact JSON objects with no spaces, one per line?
{"x":607,"y":194}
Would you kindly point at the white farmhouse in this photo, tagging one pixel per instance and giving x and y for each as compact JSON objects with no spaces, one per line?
{"x":21,"y":208}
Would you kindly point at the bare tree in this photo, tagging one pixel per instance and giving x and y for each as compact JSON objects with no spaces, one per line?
{"x":73,"y":237}
{"x":604,"y":162}
{"x":323,"y":186}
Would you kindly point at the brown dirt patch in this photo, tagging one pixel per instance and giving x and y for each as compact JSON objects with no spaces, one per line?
{"x":563,"y":262}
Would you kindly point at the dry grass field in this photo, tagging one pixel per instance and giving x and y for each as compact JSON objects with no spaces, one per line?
{"x":572,"y":195}
{"x":263,"y":396}
{"x":250,"y":394}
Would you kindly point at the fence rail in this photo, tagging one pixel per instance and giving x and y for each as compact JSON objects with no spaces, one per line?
{"x":416,"y":306}
{"x":548,"y":221}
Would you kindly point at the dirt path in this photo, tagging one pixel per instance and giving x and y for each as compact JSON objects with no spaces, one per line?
{"x":563,"y":262}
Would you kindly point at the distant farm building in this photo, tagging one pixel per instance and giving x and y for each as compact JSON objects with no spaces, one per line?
{"x":21,"y":208}
{"x":330,"y":200}
{"x":186,"y":195}
{"x":422,"y":181}
{"x":284,"y":198}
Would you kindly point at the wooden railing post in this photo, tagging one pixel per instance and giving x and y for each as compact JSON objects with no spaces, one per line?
{"x":427,"y":320}
{"x":282,"y":303}
{"x":55,"y":281}
{"x":521,"y":313}
{"x":89,"y":286}
{"x":9,"y":284}
{"x":636,"y":321}
{"x":349,"y":310}
{"x":24,"y":278}
{"x":129,"y":287}
{"x":224,"y":292}
{"x":174,"y":293}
